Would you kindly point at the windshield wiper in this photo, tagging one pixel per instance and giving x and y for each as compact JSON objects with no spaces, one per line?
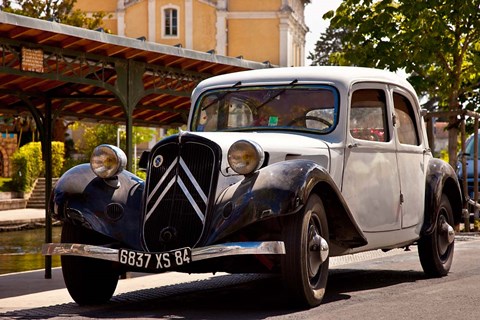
{"x":291,"y":84}
{"x":222,"y":96}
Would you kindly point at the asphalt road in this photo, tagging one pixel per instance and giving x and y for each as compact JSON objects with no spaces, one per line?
{"x":390,"y":287}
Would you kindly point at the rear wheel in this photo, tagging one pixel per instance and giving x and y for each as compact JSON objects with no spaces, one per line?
{"x":436,"y":250}
{"x":305,"y":264}
{"x":89,"y":281}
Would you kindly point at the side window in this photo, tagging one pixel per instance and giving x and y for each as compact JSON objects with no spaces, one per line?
{"x":368,"y":119}
{"x":405,"y":120}
{"x":170,"y":22}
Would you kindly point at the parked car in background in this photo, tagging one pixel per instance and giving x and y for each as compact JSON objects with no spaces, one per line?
{"x":469,"y":156}
{"x":280,"y":169}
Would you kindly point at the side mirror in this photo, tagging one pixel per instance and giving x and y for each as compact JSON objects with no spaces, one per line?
{"x":461,"y":155}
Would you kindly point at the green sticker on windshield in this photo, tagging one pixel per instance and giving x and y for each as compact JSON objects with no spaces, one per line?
{"x":272,"y":121}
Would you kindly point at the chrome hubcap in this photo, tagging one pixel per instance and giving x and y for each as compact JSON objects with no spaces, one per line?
{"x":318,"y":250}
{"x":446,"y":235}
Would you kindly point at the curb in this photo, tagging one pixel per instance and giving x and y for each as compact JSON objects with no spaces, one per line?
{"x":17,"y":225}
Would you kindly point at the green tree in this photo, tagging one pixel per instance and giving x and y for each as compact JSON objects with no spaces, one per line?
{"x":96,"y":135}
{"x":109,"y":134}
{"x":329,"y":44}
{"x":61,"y":11}
{"x":436,"y":42}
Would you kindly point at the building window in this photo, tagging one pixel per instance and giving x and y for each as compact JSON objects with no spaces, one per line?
{"x":170,"y":22}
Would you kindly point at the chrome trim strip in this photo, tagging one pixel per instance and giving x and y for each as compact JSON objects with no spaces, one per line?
{"x":155,"y":205}
{"x":193,"y":181}
{"x":165,"y":175}
{"x":214,"y":251}
{"x":191,"y":200}
{"x":77,"y":249}
{"x":238,"y":248}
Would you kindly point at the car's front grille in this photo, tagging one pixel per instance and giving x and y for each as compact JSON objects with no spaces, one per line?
{"x":181,"y":179}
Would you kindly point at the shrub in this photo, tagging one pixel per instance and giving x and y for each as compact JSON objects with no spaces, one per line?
{"x":6,"y":185}
{"x":142,"y":175}
{"x":58,"y":158}
{"x":28,"y":164}
{"x":70,"y":163}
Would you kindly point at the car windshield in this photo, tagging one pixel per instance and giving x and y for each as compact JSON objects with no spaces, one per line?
{"x":312,"y":108}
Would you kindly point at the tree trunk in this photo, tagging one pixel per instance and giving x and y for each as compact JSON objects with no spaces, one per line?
{"x":453,"y":124}
{"x":452,"y":144}
{"x":60,"y":130}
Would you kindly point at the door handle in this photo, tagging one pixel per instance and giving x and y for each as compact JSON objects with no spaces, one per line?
{"x":352,"y":145}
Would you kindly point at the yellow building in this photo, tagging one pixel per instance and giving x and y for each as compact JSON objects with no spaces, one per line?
{"x":258,"y":30}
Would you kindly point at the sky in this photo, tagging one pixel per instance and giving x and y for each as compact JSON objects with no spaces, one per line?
{"x":313,"y":19}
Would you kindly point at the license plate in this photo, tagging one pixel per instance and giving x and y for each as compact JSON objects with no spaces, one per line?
{"x":158,"y":261}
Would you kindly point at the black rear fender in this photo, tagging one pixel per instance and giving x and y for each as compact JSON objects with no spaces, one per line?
{"x":441,"y":179}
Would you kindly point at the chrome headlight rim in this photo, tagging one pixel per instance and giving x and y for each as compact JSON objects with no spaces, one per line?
{"x":107,"y":161}
{"x":245,"y":157}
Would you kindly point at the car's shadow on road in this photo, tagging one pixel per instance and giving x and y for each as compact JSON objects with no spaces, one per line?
{"x":342,"y":283}
{"x":230,"y":296}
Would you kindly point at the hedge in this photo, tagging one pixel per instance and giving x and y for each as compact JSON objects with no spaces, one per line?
{"x":28,"y":165}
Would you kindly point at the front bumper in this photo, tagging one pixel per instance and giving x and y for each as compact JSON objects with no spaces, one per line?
{"x":209,"y":252}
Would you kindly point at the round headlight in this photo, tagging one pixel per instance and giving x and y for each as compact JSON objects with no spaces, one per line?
{"x":245,"y":157}
{"x":107,"y":161}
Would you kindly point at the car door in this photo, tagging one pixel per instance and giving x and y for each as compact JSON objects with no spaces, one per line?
{"x":370,"y":182}
{"x":410,"y":157}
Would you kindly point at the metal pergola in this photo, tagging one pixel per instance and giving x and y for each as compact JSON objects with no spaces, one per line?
{"x":52,"y":71}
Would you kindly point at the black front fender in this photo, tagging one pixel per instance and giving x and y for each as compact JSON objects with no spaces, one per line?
{"x":441,"y":179}
{"x":85,"y":199}
{"x":280,"y":189}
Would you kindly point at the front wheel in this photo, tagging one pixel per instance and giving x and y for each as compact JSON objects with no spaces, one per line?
{"x":305,"y":264}
{"x":88,"y":280}
{"x":436,"y":250}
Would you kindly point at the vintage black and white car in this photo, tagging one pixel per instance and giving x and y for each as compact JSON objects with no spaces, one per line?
{"x":279,"y":170}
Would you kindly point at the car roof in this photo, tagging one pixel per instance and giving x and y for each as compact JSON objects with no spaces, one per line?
{"x":328,"y":74}
{"x":470,"y":138}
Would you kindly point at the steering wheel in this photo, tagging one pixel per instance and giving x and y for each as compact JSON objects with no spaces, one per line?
{"x":305,"y":118}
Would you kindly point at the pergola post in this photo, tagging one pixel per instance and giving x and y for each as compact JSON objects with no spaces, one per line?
{"x":129,"y":151}
{"x":45,"y":128}
{"x":135,"y":91}
{"x":47,"y":157}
